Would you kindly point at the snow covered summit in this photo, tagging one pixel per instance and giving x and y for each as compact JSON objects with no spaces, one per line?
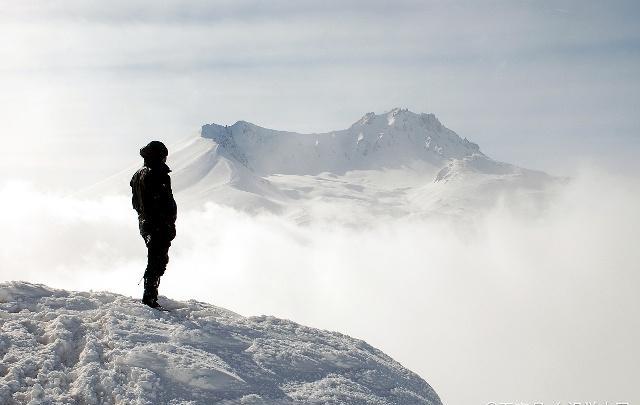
{"x":61,"y":347}
{"x":388,"y":140}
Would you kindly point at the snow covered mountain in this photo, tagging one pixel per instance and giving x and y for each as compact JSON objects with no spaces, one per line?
{"x":60,"y":347}
{"x":397,"y":163}
{"x":390,"y":140}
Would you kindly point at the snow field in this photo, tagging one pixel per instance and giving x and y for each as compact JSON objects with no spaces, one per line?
{"x":60,"y":347}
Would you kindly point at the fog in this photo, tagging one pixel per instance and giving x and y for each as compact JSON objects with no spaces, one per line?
{"x":506,"y":308}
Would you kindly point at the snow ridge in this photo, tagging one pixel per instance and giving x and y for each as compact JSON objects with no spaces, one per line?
{"x":390,"y":140}
{"x":61,"y":347}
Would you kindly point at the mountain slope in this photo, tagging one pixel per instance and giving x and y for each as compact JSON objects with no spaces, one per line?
{"x":77,"y":347}
{"x":391,"y":140}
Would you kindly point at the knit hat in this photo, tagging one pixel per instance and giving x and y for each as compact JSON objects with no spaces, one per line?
{"x":155,"y":150}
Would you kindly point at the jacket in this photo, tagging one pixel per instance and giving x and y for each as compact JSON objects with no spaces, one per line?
{"x":152,"y":198}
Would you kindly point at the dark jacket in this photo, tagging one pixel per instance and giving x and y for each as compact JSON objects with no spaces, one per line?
{"x":153,"y":199}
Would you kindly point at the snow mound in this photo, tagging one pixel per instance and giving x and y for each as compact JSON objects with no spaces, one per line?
{"x":62,"y":347}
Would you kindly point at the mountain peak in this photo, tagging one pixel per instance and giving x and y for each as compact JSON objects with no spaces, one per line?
{"x":365,"y":119}
{"x":398,"y":110}
{"x":400,"y":117}
{"x":244,"y":124}
{"x":392,"y":139}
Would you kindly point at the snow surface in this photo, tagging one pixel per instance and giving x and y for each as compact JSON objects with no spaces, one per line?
{"x":62,"y":347}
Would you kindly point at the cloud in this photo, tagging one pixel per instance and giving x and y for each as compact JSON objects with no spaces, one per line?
{"x":510,"y":308}
{"x":231,"y":35}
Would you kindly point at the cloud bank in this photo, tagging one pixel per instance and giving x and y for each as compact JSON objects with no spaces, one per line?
{"x":509,"y":308}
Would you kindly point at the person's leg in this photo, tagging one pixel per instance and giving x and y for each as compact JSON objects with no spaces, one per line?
{"x":157,"y":259}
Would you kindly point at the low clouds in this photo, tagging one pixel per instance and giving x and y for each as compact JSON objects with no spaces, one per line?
{"x":512,"y":308}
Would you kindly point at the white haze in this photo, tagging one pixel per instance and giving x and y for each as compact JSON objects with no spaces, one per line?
{"x":506,"y":308}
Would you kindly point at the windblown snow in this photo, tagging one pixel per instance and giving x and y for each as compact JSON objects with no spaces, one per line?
{"x":64,"y":347}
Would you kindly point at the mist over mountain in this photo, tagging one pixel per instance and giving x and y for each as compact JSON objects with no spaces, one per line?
{"x":397,"y":163}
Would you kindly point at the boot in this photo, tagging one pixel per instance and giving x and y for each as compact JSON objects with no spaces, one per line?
{"x":150,"y":296}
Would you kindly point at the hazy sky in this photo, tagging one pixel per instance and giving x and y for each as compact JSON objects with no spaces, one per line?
{"x":542,"y":84}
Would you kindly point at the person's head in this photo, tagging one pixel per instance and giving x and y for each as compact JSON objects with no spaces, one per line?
{"x":155,"y":152}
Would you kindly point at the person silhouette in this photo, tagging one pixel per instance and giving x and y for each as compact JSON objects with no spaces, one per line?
{"x":157,"y":211}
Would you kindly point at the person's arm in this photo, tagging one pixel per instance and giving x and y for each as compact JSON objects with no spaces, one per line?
{"x":137,"y":192}
{"x":172,"y":206}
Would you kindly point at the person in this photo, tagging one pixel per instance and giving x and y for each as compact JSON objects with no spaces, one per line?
{"x":153,"y":201}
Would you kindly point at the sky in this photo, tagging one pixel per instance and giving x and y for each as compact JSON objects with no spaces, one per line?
{"x":545,"y":85}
